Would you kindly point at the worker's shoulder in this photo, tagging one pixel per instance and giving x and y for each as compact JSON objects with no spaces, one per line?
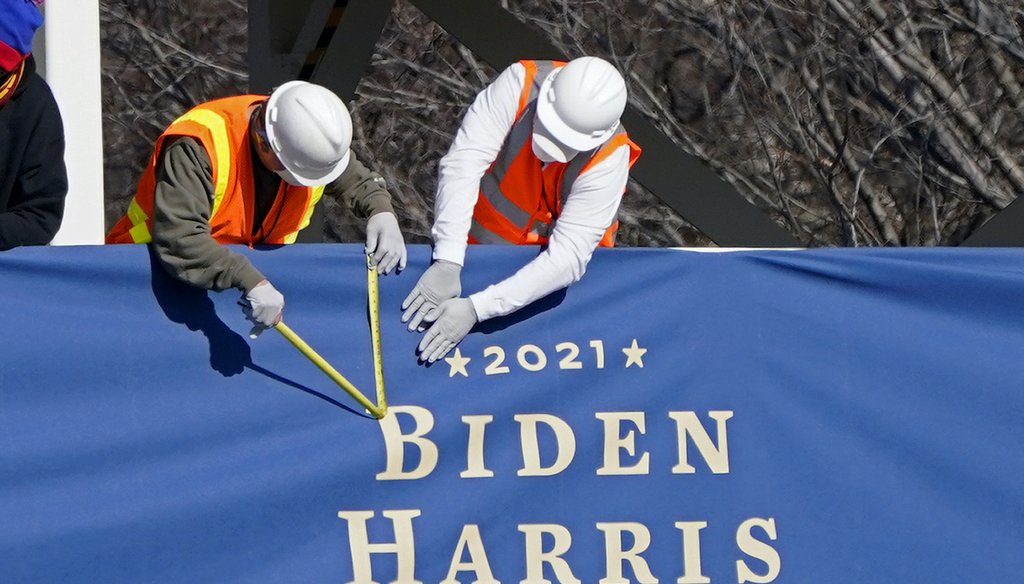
{"x":32,"y":110}
{"x":183,"y":142}
{"x":183,"y":151}
{"x":516,"y":70}
{"x":33,"y":91}
{"x":511,"y":79}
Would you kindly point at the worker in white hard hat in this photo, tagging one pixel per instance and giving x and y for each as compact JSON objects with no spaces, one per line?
{"x":249,"y":170}
{"x":540,"y":158}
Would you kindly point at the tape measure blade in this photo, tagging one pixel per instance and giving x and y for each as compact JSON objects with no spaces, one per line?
{"x":373,"y":298}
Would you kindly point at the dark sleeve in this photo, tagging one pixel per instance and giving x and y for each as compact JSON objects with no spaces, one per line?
{"x":361,"y":190}
{"x":36,"y":205}
{"x":182,"y":206}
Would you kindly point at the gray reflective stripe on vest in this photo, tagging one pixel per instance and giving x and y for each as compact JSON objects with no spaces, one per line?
{"x":490,"y":189}
{"x":575,"y":167}
{"x":489,"y":182}
{"x":483,"y":235}
{"x":520,"y":134}
{"x":544,"y":68}
{"x":523,"y":127}
{"x":572,"y":172}
{"x":541,"y":228}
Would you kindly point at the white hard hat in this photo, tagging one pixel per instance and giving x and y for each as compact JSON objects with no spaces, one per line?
{"x":579,"y":107}
{"x":310,"y":131}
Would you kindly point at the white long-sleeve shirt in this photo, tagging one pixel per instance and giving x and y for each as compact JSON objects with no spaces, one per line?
{"x":588,"y":211}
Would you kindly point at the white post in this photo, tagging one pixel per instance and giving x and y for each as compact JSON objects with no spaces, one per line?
{"x":72,"y":69}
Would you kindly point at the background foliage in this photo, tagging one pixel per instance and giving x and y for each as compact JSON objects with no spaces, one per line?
{"x":850,"y":123}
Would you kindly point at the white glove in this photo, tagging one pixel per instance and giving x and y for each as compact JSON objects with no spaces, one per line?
{"x":439,"y":283}
{"x":384,"y":241}
{"x":452,"y":322}
{"x":263,"y":306}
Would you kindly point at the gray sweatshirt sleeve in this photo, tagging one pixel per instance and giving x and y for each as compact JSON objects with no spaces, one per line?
{"x":182,"y":206}
{"x":361,"y":190}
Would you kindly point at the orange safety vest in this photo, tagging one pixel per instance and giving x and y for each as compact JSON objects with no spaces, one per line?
{"x":222,"y":126}
{"x":520,"y":197}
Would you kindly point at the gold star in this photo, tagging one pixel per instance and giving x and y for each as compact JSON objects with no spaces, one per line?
{"x":634,"y":354}
{"x":457,"y":363}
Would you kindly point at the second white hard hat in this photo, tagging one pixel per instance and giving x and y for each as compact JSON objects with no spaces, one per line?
{"x":310,"y":131}
{"x":579,"y":105}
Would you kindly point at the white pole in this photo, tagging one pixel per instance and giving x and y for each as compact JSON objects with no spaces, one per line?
{"x":72,"y":53}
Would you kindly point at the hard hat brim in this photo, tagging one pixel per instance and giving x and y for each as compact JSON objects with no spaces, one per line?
{"x":290,"y":176}
{"x":548,"y":144}
{"x":557,"y":127}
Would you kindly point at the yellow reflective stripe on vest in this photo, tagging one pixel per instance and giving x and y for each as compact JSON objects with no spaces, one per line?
{"x":313,"y":200}
{"x":139,"y":231}
{"x":219,"y":131}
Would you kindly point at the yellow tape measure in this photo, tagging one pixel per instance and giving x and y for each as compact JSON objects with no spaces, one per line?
{"x":379,"y":409}
{"x":373,"y":300}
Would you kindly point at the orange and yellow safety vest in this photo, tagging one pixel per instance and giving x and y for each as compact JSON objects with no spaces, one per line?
{"x":222,"y":127}
{"x":520,"y":197}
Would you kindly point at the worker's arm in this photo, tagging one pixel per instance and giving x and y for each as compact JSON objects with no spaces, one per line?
{"x":36,"y":204}
{"x":366,"y":194}
{"x":361,"y":190}
{"x":476,"y":145}
{"x":588,"y":212}
{"x":182,"y":206}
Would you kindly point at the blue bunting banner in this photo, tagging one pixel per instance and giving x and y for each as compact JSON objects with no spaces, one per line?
{"x":809,"y":416}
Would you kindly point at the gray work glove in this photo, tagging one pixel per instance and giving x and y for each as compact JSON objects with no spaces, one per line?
{"x":439,"y":283}
{"x":263,"y":306}
{"x":384,"y":242}
{"x":452,"y":322}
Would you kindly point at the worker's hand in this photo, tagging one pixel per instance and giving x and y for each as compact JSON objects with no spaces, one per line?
{"x":263,"y":306}
{"x":439,"y":283}
{"x":384,"y":242}
{"x":452,"y":322}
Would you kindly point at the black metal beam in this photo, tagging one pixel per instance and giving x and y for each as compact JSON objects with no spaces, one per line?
{"x":281,"y":34}
{"x":348,"y":55}
{"x":342,"y":64}
{"x":1005,"y":229}
{"x":679,"y":179}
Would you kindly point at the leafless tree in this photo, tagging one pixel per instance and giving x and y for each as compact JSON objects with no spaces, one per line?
{"x":160,"y":58}
{"x":850,"y":123}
